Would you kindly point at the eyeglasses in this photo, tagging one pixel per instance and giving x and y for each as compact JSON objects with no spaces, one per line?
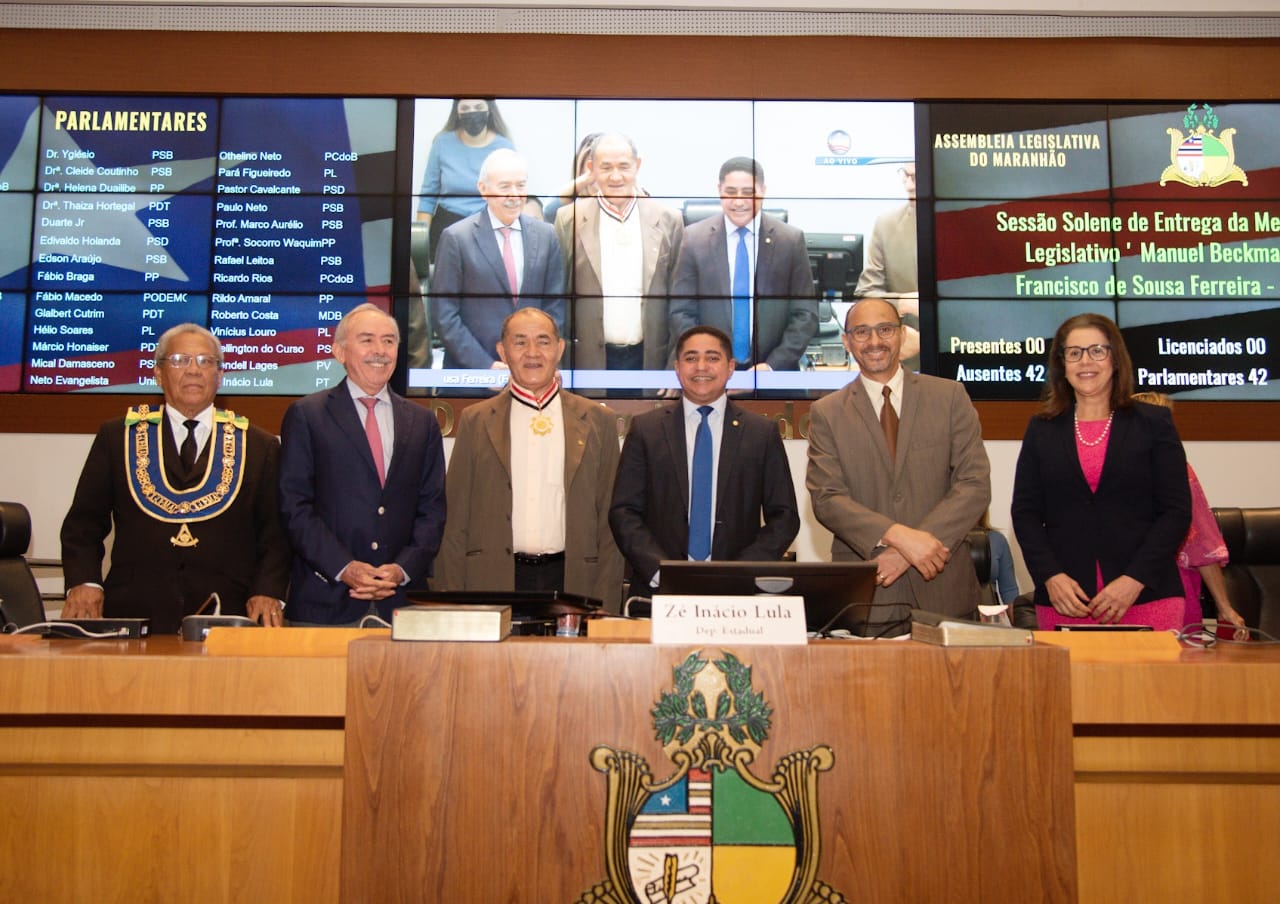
{"x":204,"y":362}
{"x":862,"y":332}
{"x":1073,"y":353}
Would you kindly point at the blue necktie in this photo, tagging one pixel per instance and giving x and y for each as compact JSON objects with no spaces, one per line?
{"x":742,"y":299}
{"x":700,"y":491}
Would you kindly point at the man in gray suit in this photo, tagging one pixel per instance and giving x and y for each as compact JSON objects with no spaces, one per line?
{"x":907,"y":506}
{"x":530,"y":480}
{"x":472,"y":288}
{"x":768,"y":307}
{"x":620,"y":250}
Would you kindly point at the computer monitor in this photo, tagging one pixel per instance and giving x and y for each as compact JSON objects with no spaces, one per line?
{"x":837,"y":595}
{"x":835,"y":261}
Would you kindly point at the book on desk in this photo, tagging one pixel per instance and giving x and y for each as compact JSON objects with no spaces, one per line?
{"x":446,"y":621}
{"x":945,"y":631}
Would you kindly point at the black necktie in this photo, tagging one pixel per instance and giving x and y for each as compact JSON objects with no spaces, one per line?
{"x":188,"y":451}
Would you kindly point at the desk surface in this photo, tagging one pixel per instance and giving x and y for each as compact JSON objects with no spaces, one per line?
{"x":289,"y":672}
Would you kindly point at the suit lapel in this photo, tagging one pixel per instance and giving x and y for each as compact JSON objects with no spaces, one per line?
{"x":673,"y":433}
{"x":764,"y":257}
{"x":718,"y":245}
{"x":589,"y":237}
{"x":862,"y":407}
{"x":730,"y":445}
{"x":650,"y":240}
{"x":1121,"y":434}
{"x":404,"y":440}
{"x":490,"y":250}
{"x":497,"y":426}
{"x":575,"y":437}
{"x":907,"y":420}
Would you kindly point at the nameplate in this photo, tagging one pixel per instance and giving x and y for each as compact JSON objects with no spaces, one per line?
{"x":737,"y":620}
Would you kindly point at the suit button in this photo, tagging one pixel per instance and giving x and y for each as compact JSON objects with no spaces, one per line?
{"x":382,"y":510}
{"x":373,"y":545}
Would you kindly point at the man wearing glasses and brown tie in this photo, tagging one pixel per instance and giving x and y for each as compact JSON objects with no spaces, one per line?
{"x":898,"y":473}
{"x":191,"y":494}
{"x":361,"y":483}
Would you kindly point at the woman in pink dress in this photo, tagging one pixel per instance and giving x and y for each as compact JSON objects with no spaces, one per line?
{"x":1100,"y":497}
{"x":1204,"y":551}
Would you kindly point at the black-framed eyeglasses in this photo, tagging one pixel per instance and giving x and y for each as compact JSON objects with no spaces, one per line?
{"x":1097,"y":352}
{"x":204,"y":362}
{"x":862,"y":332}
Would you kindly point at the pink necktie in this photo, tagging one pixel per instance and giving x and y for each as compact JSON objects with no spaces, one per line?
{"x":509,"y":259}
{"x":375,"y":437}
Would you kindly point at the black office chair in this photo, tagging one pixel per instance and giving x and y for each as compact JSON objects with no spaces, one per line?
{"x":20,"y":602}
{"x":1253,"y":575}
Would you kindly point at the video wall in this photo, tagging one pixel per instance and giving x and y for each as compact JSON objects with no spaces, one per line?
{"x":1164,"y":218}
{"x":265,"y":218}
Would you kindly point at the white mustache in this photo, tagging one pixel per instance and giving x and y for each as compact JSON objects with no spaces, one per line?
{"x":377,"y":359}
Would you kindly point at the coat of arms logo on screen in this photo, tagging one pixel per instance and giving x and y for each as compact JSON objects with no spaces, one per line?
{"x":711,"y":832}
{"x":1199,"y":157}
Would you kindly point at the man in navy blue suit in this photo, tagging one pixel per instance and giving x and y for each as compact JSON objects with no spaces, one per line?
{"x":492,"y":263}
{"x":747,"y":273}
{"x":361,"y":483}
{"x":751,"y":513}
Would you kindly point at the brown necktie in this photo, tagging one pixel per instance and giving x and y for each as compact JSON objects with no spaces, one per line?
{"x":889,"y":423}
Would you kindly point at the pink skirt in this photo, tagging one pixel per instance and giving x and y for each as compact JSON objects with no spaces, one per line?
{"x":1161,"y":615}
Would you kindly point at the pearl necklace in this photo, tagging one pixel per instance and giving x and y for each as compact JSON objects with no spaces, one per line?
{"x":1101,"y":436}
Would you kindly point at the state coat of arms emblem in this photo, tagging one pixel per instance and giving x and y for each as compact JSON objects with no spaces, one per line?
{"x":712,"y":831}
{"x":1200,"y":157}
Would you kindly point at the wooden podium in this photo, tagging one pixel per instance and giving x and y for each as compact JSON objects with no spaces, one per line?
{"x":469,"y":770}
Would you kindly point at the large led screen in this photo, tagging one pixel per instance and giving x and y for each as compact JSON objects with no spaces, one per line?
{"x":1164,"y":218}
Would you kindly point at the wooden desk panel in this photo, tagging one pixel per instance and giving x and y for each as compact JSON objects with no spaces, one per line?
{"x":467,"y":772}
{"x":1177,"y":763}
{"x":152,"y":771}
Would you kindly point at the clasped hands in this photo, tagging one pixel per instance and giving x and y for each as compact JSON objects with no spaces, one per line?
{"x":369,"y":582}
{"x":908,"y":547}
{"x":1107,"y":607}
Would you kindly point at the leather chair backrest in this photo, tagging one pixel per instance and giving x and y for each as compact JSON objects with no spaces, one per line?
{"x":980,"y":553}
{"x":1253,"y":574}
{"x":20,"y":602}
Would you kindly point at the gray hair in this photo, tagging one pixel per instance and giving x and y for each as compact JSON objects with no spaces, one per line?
{"x":340,"y":335}
{"x":617,"y":137}
{"x":182,"y":329}
{"x":499,"y":157}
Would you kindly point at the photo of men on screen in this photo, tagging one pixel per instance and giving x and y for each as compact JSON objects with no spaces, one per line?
{"x":646,"y":200}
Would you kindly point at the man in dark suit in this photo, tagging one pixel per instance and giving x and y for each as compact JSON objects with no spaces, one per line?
{"x":620,"y":250}
{"x":478,"y":257}
{"x":747,"y":273}
{"x":530,"y":480}
{"x":898,"y":473}
{"x":361,"y":483}
{"x":191,"y":492}
{"x":655,"y":497}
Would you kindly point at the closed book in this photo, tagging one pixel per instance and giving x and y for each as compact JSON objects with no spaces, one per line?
{"x":442,"y":621}
{"x":944,"y":631}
